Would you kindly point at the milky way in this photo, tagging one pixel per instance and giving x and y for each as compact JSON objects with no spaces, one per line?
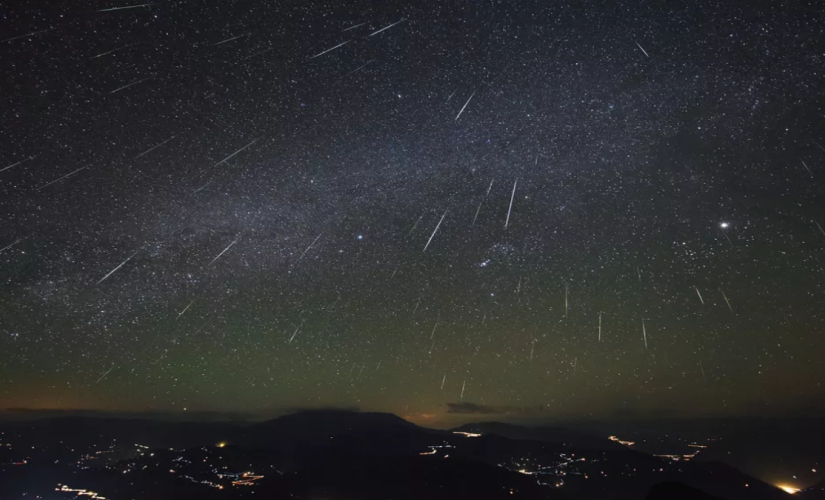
{"x":223,"y":207}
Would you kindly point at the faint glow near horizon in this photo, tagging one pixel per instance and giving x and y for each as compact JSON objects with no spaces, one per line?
{"x":788,"y":489}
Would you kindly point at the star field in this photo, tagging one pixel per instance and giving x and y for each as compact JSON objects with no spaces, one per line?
{"x":545,"y":209}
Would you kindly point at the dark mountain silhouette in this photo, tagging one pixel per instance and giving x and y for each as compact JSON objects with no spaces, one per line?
{"x":815,"y":492}
{"x":152,"y":433}
{"x":776,"y":449}
{"x":672,"y":490}
{"x":567,"y":437}
{"x":413,"y":477}
{"x":725,"y":481}
{"x":321,"y":425}
{"x":346,"y":455}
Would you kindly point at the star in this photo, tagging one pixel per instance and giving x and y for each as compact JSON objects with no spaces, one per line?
{"x":645,"y":149}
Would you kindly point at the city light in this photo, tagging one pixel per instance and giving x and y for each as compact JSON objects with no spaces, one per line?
{"x":468,"y":434}
{"x":80,"y":492}
{"x":247,"y":479}
{"x":788,"y":489}
{"x":617,"y":440}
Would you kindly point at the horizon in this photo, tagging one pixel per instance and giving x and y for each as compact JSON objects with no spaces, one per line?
{"x":646,"y":436}
{"x":447,"y":421}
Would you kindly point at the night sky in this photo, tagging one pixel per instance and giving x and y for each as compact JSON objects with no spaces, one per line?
{"x":514,"y":209}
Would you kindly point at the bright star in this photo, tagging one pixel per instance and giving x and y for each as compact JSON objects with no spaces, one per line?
{"x":724,"y":225}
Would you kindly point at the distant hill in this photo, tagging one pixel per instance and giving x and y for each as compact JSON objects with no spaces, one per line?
{"x":151,"y":433}
{"x":350,"y":455}
{"x":815,"y":492}
{"x":776,"y":450}
{"x":672,"y":490}
{"x":566,"y":437}
{"x":727,"y":482}
{"x":413,"y":477}
{"x":321,"y":425}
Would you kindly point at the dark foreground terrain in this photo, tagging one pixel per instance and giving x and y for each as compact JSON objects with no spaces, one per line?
{"x":346,"y":455}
